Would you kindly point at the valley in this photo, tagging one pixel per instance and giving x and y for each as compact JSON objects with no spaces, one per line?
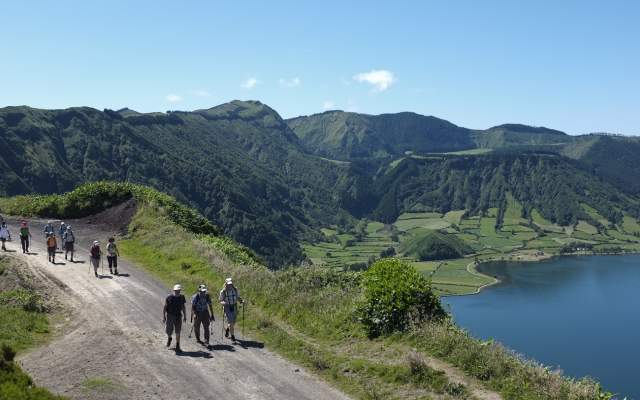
{"x":515,"y":239}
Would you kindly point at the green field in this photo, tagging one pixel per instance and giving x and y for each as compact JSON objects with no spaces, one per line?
{"x":516,"y":238}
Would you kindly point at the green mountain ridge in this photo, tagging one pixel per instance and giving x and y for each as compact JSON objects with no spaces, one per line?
{"x":271,"y":183}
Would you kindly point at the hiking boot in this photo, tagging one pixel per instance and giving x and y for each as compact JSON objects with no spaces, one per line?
{"x":116,"y":272}
{"x":96,"y":274}
{"x":178,"y":349}
{"x":110,"y":271}
{"x":233,"y":338}
{"x":226,"y":332}
{"x":169,"y":341}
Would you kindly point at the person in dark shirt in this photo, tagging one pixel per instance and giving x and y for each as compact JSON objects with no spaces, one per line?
{"x":173,"y":314}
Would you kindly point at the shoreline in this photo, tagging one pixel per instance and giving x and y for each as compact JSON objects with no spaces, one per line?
{"x":472,"y":267}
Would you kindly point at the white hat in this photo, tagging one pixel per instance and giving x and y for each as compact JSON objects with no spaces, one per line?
{"x":202,"y":288}
{"x":62,"y":223}
{"x":228,"y":281}
{"x":49,"y":221}
{"x":177,"y":286}
{"x":96,"y":242}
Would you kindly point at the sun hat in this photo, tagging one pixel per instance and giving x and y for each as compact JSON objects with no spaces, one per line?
{"x":228,"y":281}
{"x":177,"y":286}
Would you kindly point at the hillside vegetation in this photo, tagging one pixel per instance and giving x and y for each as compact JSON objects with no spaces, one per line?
{"x":272,"y":185}
{"x":23,"y":323}
{"x":308,"y":315}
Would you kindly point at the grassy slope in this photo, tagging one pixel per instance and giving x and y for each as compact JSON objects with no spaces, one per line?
{"x":22,"y":325}
{"x":306,"y":314}
{"x":518,"y":238}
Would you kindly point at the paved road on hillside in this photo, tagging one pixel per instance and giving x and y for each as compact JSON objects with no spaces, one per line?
{"x":114,"y":331}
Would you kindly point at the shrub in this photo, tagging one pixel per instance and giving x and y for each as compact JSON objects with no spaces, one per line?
{"x":396,"y":297}
{"x":91,"y":198}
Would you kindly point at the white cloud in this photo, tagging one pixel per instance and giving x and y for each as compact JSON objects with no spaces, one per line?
{"x":328,"y":105}
{"x":250,"y":83}
{"x":380,"y":79}
{"x":290,"y":83}
{"x":173,"y":98}
{"x":200,"y":93}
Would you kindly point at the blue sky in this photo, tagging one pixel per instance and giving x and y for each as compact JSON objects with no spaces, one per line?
{"x":570,"y":65}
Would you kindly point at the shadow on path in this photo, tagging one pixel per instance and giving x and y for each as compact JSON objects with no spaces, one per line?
{"x":196,"y":354}
{"x":224,"y":347}
{"x":250,"y":344}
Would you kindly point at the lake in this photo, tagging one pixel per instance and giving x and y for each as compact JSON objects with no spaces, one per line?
{"x":579,"y":314}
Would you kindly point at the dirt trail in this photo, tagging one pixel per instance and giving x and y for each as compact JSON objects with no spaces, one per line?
{"x":114,"y":331}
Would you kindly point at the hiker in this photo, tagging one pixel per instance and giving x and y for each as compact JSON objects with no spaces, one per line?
{"x":4,"y":234}
{"x":229,"y":298}
{"x":52,"y":245}
{"x":68,"y":239}
{"x":173,"y":314}
{"x":96,"y":255}
{"x":201,"y":313}
{"x":61,"y":231}
{"x":48,"y":230}
{"x":25,"y":235}
{"x":112,"y":255}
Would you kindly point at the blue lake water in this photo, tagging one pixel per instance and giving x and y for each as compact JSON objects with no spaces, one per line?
{"x":579,"y":314}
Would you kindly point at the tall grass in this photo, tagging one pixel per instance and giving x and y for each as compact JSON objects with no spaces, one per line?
{"x":308,"y":315}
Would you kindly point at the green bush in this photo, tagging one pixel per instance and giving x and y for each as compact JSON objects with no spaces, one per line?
{"x":91,"y":198}
{"x":396,"y":297}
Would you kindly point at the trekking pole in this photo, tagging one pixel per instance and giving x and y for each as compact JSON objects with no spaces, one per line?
{"x":101,"y":266}
{"x":222,"y":330}
{"x":190,"y":332}
{"x":243,"y":319}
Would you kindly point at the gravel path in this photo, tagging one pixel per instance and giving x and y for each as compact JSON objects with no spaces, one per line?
{"x":114,"y":332}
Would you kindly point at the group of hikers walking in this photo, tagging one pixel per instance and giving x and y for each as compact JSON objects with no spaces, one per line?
{"x":63,"y":238}
{"x":175,"y":312}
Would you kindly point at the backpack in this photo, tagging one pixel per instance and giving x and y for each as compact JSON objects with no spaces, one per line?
{"x":95,"y":251}
{"x":111,"y":249}
{"x":51,"y":242}
{"x":68,"y":237}
{"x":24,"y":231}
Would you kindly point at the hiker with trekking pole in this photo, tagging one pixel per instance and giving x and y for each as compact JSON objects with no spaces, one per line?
{"x":49,"y":230}
{"x":202,"y":312}
{"x":173,"y":314}
{"x":52,"y":245}
{"x":112,"y":256}
{"x":4,"y":234}
{"x":95,"y":256}
{"x":69,"y":239}
{"x":25,"y":236}
{"x":61,"y":231}
{"x":229,"y":298}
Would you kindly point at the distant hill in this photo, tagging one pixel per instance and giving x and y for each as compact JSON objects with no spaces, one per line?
{"x":271,"y":183}
{"x":238,"y":163}
{"x":436,"y":246}
{"x":342,"y":135}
